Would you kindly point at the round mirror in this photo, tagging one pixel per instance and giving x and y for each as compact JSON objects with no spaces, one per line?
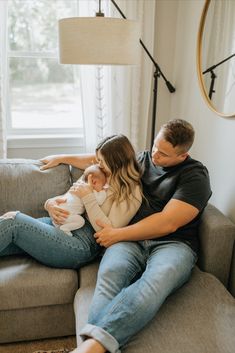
{"x":216,"y":56}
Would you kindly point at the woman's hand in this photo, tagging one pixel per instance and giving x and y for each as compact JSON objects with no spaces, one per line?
{"x":57,"y":214}
{"x":81,"y":189}
{"x":50,"y":161}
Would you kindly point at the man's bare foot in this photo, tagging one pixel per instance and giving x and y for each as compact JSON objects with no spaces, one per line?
{"x":90,"y":346}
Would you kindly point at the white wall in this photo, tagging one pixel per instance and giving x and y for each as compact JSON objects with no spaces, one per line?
{"x":215,"y":143}
{"x":166,"y":23}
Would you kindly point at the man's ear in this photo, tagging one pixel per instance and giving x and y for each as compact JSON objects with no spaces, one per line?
{"x":184,"y":156}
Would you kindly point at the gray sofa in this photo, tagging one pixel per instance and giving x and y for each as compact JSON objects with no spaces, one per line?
{"x":37,"y":301}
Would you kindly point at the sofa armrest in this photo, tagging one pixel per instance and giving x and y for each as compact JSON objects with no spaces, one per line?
{"x":231,"y":286}
{"x":216,"y":234}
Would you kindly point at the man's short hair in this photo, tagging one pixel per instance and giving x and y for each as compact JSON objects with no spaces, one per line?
{"x":179,"y":133}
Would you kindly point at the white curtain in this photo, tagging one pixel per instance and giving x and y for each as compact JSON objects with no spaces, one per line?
{"x":116,"y":99}
{"x":3,"y":145}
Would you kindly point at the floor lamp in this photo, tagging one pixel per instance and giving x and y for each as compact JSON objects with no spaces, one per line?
{"x":106,"y":41}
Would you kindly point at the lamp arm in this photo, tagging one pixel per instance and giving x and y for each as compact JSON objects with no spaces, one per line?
{"x":170,"y":87}
{"x":118,"y":8}
{"x":158,"y":72}
{"x":214,"y":66}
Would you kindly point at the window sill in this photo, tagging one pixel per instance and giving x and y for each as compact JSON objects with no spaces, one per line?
{"x":38,"y":141}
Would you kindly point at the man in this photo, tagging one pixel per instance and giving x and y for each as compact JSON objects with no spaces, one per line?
{"x":154,"y":255}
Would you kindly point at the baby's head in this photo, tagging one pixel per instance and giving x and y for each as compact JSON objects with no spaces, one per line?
{"x":98,"y":178}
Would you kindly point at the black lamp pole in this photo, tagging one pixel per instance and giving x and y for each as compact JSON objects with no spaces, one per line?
{"x":157,"y":73}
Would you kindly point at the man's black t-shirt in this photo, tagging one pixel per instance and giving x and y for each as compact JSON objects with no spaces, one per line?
{"x":187,"y":181}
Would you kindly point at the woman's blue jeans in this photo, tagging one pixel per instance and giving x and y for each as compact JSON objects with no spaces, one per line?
{"x":134,"y":279}
{"x":47,"y":244}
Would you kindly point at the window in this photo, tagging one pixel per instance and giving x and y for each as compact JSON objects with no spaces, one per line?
{"x":43,"y":97}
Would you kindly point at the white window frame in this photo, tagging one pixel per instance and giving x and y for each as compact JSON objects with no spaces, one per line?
{"x":27,"y":138}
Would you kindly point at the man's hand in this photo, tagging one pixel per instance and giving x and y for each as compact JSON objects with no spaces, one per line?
{"x":108,"y":235}
{"x":50,"y":162}
{"x":57,"y":214}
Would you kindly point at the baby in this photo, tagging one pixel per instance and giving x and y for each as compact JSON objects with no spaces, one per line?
{"x":75,"y":205}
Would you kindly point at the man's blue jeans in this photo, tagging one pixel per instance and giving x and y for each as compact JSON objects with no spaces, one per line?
{"x":134,"y":279}
{"x":47,"y":244}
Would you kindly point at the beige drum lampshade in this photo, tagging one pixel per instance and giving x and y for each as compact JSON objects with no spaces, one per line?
{"x":99,"y":41}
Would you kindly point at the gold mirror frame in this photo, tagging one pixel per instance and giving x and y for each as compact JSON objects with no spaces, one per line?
{"x":199,"y":63}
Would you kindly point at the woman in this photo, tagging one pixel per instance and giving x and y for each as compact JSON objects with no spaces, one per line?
{"x":50,"y":245}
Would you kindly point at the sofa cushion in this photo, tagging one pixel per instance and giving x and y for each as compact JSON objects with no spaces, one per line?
{"x":198,"y":317}
{"x":24,"y":187}
{"x":35,"y":323}
{"x":25,"y":283}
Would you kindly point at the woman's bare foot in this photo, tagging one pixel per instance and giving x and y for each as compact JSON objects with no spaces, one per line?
{"x":90,"y":346}
{"x":9,"y":215}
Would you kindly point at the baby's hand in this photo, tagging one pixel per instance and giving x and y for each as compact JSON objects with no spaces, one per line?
{"x":81,"y":188}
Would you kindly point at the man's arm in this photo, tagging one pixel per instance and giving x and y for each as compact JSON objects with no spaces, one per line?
{"x":81,"y":161}
{"x":175,"y":214}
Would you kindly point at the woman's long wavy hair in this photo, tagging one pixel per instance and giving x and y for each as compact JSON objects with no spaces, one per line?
{"x":125,"y":172}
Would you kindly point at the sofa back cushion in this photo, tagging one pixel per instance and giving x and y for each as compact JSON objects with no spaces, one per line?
{"x":24,"y":187}
{"x":76,"y":174}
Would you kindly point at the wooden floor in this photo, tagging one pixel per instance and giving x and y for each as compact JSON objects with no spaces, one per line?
{"x":31,"y":346}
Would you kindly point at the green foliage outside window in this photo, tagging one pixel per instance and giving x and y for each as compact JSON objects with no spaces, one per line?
{"x":32,"y":28}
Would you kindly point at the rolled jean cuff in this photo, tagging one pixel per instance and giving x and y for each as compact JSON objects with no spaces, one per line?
{"x":102,"y":336}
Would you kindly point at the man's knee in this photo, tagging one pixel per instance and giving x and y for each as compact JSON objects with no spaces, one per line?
{"x":120,"y":256}
{"x":120,"y":264}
